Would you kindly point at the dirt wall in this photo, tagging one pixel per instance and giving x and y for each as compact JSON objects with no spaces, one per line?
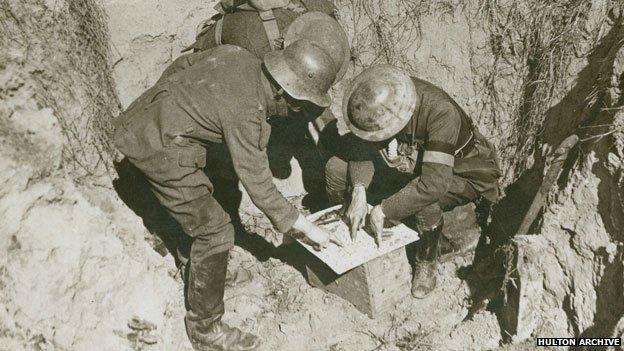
{"x":59,"y":49}
{"x":583,"y":220}
{"x":146,"y":36}
{"x":74,"y":264}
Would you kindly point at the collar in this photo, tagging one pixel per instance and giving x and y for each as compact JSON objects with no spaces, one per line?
{"x":276,"y":106}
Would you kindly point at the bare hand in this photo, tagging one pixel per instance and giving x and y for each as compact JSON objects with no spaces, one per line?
{"x":376,"y":219}
{"x":318,"y":238}
{"x":315,"y":235}
{"x":356,"y":213}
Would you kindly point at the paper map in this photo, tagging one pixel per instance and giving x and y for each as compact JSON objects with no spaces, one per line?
{"x":364,"y":249}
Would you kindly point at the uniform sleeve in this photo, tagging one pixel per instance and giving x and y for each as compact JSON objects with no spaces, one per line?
{"x":360,"y":156}
{"x":437,"y":169}
{"x":361,"y":172}
{"x":251,"y":164}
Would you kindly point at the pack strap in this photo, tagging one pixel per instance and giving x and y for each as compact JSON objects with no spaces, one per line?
{"x":219,"y":30}
{"x":270,"y":27}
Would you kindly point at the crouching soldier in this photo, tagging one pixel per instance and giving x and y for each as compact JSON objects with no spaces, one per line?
{"x":222,"y":96}
{"x":416,"y":153}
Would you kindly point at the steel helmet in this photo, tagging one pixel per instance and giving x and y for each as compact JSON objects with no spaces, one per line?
{"x":379,"y":102}
{"x":304,"y":70}
{"x":327,"y":33}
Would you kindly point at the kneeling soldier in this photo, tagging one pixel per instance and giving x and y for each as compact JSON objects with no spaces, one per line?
{"x":417,"y":153}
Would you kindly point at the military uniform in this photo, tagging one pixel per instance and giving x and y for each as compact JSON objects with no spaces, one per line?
{"x":204,"y":101}
{"x":441,"y":161}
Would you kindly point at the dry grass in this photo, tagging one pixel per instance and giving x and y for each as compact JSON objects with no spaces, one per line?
{"x":62,"y":49}
{"x":399,"y":336}
{"x":507,"y":254}
{"x":387,"y":31}
{"x":533,"y":44}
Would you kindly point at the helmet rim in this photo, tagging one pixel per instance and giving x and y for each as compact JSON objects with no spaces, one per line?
{"x":283,"y":74}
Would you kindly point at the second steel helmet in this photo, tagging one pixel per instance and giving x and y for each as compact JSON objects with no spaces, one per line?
{"x":304,"y":70}
{"x":379,"y":102}
{"x":327,"y":33}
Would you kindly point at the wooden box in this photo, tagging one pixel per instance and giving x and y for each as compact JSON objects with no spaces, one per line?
{"x":373,"y":288}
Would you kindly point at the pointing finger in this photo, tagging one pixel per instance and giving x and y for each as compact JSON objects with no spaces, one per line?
{"x":378,"y":237}
{"x":354,"y":229}
{"x":336,"y":241}
{"x":361,"y":223}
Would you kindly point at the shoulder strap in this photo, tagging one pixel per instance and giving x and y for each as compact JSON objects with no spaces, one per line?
{"x":270,"y":27}
{"x":219,"y":30}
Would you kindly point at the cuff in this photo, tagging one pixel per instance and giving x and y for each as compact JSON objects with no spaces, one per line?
{"x":286,"y":223}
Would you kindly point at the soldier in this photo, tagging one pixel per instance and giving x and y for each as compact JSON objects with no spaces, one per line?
{"x":415,"y":153}
{"x":262,"y":26}
{"x":221,"y":97}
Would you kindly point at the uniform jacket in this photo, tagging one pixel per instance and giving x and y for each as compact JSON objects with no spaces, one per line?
{"x":227,"y":97}
{"x":448,"y":145}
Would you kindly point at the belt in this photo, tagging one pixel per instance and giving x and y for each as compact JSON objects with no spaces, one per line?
{"x":466,"y":148}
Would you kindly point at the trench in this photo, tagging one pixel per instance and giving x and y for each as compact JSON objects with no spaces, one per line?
{"x":74,"y":77}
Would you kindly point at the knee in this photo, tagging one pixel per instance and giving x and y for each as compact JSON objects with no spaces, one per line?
{"x":211,"y":244}
{"x":336,"y":172}
{"x":336,"y":179}
{"x":429,"y":218}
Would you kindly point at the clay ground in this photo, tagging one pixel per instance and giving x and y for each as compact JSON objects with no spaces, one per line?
{"x":288,"y":313}
{"x":279,"y":305}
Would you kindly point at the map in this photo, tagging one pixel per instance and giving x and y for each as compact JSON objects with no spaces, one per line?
{"x":360,"y":251}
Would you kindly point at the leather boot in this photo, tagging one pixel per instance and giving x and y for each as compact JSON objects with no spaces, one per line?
{"x":206,"y":286}
{"x":424,"y":278}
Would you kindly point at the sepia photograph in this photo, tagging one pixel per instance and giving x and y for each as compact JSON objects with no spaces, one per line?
{"x":311,"y":175}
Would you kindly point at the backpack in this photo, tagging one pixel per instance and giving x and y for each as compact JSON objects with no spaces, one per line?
{"x":256,"y":25}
